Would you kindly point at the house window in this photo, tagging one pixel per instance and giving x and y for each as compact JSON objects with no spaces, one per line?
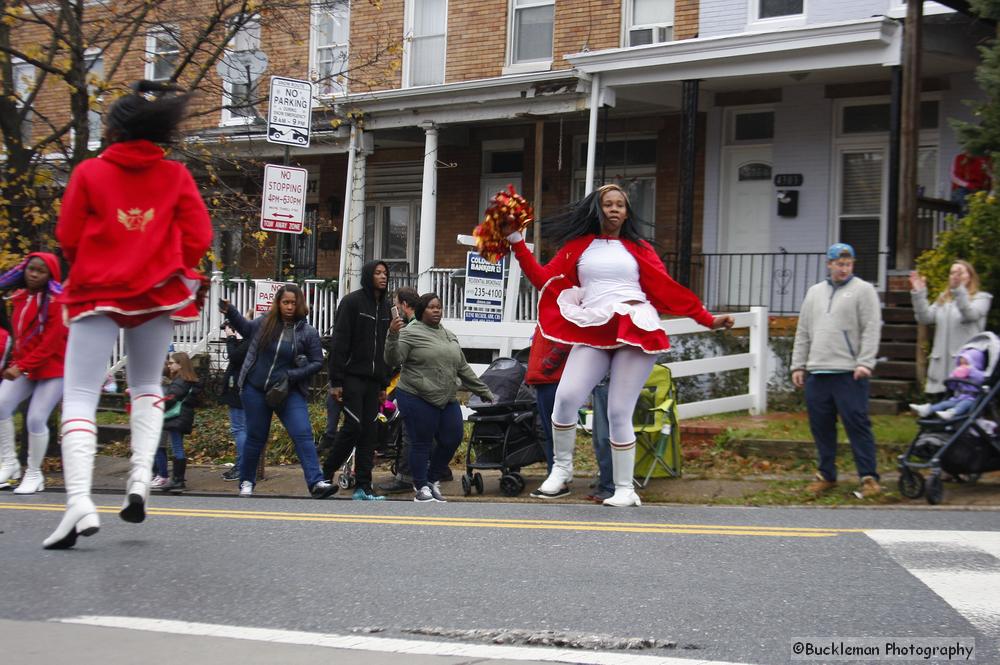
{"x":532,"y":22}
{"x":629,"y":162}
{"x":428,"y":37}
{"x":94,"y":64}
{"x":391,"y":228}
{"x":871,"y":118}
{"x":779,"y":8}
{"x":331,"y":27}
{"x":240,"y":91}
{"x":162,"y":53}
{"x":751,"y":127}
{"x":24,"y":85}
{"x":649,"y":21}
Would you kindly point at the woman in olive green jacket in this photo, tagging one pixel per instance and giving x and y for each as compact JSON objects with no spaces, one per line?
{"x":432,"y":365}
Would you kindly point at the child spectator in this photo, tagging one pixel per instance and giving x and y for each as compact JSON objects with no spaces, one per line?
{"x":968,"y":368}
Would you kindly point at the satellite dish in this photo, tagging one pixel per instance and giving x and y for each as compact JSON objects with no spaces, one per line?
{"x":234,"y":66}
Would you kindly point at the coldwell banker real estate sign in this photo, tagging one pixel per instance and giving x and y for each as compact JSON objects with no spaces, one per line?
{"x":483,"y":289}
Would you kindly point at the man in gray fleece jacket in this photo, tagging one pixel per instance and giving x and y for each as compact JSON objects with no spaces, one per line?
{"x":834,"y":355}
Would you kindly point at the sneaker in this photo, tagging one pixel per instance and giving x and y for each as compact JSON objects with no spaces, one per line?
{"x":157,"y":482}
{"x":363,"y":494}
{"x":436,"y":492}
{"x":599,"y":495}
{"x":246,"y":488}
{"x":232,"y":474}
{"x":323,"y":489}
{"x":820,"y":485}
{"x":947,"y":414}
{"x":870,"y":487}
{"x":424,"y":495}
{"x":395,"y":486}
{"x":922,"y":410}
{"x":173,"y":485}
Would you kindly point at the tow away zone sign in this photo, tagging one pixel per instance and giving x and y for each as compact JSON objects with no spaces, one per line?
{"x":283,"y":204}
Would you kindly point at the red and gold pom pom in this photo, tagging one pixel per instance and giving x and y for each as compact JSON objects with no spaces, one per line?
{"x":508,"y":212}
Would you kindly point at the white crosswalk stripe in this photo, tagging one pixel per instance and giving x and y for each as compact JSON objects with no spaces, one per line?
{"x":962,"y":567}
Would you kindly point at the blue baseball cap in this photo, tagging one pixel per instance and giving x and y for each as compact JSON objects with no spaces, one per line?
{"x":838,"y":250}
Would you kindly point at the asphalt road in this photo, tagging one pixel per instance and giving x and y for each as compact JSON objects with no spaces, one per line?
{"x":725,"y":584}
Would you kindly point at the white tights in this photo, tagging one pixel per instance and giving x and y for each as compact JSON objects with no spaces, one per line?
{"x":585,"y":367}
{"x":91,"y":340}
{"x":45,"y":394}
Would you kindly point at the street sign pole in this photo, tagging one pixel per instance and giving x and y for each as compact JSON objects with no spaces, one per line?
{"x":278,"y":276}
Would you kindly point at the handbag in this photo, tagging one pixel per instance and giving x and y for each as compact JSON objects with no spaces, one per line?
{"x":174,"y":411}
{"x":277,"y":394}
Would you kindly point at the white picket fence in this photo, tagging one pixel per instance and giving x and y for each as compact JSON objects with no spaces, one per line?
{"x":506,"y":337}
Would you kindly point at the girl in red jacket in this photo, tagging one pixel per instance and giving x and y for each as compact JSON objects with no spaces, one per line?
{"x":603,"y":293}
{"x":134,"y":228}
{"x":36,"y":366}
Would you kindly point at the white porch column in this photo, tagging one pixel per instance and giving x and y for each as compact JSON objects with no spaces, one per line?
{"x":353,"y":231}
{"x":595,"y":106}
{"x":428,"y":210}
{"x":345,"y":224}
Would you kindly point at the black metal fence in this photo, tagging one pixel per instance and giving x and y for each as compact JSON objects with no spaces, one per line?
{"x":933,"y":217}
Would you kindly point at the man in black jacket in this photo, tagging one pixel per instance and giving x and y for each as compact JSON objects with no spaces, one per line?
{"x":358,"y":374}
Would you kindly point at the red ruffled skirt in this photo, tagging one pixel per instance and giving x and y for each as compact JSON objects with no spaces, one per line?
{"x":177,"y":295}
{"x":562,"y":318}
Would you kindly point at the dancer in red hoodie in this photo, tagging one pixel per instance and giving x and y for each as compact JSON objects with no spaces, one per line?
{"x":134,"y":228}
{"x":36,"y":367}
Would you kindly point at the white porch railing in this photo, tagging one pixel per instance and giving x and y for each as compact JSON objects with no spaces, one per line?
{"x":509,"y":336}
{"x":195,"y":337}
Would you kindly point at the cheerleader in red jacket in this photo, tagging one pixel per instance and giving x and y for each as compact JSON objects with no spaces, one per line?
{"x":134,"y":228}
{"x":603,"y":293}
{"x":36,"y":366}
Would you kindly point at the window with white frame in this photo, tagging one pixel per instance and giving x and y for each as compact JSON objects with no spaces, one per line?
{"x":750,"y":126}
{"x":778,"y":9}
{"x":240,"y":91}
{"x":162,"y":53}
{"x":331,"y":33}
{"x":531,"y":31}
{"x":25,"y":75}
{"x":649,"y":21}
{"x":94,"y":64}
{"x":427,"y":38}
{"x":627,"y":161}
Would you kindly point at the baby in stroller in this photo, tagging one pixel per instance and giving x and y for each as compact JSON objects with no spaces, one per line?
{"x":969,"y":373}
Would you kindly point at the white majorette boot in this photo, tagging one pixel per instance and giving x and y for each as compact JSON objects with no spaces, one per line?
{"x":623,"y":464}
{"x":33,"y":480}
{"x":10,"y":468}
{"x":146,"y":423}
{"x":79,"y":444}
{"x":563,"y":444}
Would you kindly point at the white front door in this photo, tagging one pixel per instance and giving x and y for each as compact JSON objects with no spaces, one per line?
{"x":748,"y":198}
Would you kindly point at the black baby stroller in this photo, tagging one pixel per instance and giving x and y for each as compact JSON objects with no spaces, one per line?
{"x":505,"y":433}
{"x":966,"y":446}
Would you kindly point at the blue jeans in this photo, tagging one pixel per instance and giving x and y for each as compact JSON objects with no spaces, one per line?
{"x":828,"y":395}
{"x":333,"y":409}
{"x":959,"y":405}
{"x":294,"y":416}
{"x":424,"y":423}
{"x":545,"y":398}
{"x":602,"y":437}
{"x":238,"y":428}
{"x":160,"y":459}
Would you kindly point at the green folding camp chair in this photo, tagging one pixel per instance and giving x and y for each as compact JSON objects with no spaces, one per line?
{"x":657,"y":434}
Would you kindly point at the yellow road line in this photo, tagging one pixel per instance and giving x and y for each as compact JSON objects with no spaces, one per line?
{"x":468,"y":522}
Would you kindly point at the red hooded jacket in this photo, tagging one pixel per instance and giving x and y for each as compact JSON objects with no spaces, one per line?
{"x":39,"y":350}
{"x":130,"y":219}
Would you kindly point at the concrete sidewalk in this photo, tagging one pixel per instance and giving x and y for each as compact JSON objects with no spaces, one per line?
{"x":110,"y":474}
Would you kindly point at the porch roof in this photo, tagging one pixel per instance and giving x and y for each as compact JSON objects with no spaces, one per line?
{"x":728,"y":60}
{"x":496,"y":98}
